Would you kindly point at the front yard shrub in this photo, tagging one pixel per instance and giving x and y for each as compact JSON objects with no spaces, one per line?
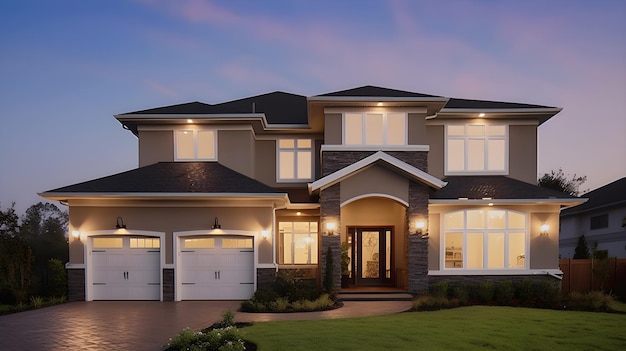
{"x":546,"y":294}
{"x":324,"y":302}
{"x":461,"y":293}
{"x":524,"y":290}
{"x":595,"y":301}
{"x":504,"y":292}
{"x":439,"y":289}
{"x":484,"y":293}
{"x":222,"y":336}
{"x":37,"y":301}
{"x":433,"y":303}
{"x":291,"y":284}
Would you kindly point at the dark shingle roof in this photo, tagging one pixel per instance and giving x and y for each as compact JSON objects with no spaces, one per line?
{"x":172,"y":177}
{"x":278,"y":107}
{"x":373,"y":91}
{"x":609,"y":195}
{"x":495,"y":187}
{"x":454,"y":103}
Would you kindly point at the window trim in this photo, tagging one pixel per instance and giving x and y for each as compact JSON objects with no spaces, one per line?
{"x":485,"y":231}
{"x":363,"y":114}
{"x":465,"y":137}
{"x":603,"y":221}
{"x":281,"y":243}
{"x":195,"y":132}
{"x":295,"y":150}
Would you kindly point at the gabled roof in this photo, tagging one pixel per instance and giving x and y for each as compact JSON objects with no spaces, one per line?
{"x":611,"y":194}
{"x":497,"y":189}
{"x":374,"y":91}
{"x":169,"y":179}
{"x":378,"y":157}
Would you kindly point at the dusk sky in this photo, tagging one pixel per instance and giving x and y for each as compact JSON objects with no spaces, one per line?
{"x":66,"y":67}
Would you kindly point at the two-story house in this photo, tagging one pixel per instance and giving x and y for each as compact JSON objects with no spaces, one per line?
{"x":602,"y":220}
{"x":422,"y":188}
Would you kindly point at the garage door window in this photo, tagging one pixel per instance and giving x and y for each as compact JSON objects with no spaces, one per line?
{"x":237,"y":243}
{"x":145,"y":243}
{"x":200,"y":243}
{"x":108,"y":243}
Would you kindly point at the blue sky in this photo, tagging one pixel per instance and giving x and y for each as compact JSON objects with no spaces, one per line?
{"x":66,"y":67}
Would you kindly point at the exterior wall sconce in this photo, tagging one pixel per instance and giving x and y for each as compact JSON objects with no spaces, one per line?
{"x":264,"y":234}
{"x":544,"y":230}
{"x":216,"y":224}
{"x":120,"y":223}
{"x":330,"y":227}
{"x":76,"y":234}
{"x":419,"y":227}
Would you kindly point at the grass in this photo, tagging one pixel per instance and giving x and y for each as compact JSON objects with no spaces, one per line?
{"x":466,"y":328}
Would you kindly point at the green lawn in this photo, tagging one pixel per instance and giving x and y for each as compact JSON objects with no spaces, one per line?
{"x":466,"y":328}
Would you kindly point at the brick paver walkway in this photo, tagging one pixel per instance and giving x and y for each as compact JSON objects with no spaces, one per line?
{"x":141,"y":325}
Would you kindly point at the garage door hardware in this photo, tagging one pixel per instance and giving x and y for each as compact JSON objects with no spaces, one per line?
{"x":218,"y":275}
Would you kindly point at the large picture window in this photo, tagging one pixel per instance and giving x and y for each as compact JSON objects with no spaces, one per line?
{"x":295,"y":160}
{"x":298,"y":242}
{"x":375,"y":128}
{"x":485,"y":239}
{"x":476,"y":148}
{"x":195,"y":145}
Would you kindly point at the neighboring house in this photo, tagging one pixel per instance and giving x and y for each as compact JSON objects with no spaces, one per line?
{"x":602,"y":220}
{"x":423,"y":188}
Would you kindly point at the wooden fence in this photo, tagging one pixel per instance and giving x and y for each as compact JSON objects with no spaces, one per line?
{"x":588,"y":275}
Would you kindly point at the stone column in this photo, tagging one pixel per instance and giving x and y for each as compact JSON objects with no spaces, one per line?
{"x":418,"y":264}
{"x":75,"y":285}
{"x":334,"y":242}
{"x":330,"y":211}
{"x":168,"y":284}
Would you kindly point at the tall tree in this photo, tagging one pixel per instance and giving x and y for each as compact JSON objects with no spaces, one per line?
{"x":16,"y":262}
{"x":559,"y":181}
{"x":9,"y":222}
{"x":582,"y":250}
{"x":44,"y":226}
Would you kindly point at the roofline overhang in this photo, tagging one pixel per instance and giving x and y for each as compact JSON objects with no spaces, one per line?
{"x":503,"y":111}
{"x":487,"y":202}
{"x":221,"y":117}
{"x":283,"y":197}
{"x":369,"y":161}
{"x":595,"y":208}
{"x":376,"y":99}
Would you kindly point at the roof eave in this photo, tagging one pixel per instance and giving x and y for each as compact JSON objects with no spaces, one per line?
{"x":163,"y":196}
{"x":549,"y":201}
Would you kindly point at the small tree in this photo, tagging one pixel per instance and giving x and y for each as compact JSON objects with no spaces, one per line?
{"x":329,"y":272}
{"x":581,"y":251}
{"x":559,"y":181}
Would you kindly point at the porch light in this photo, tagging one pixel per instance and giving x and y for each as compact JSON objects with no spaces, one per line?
{"x":216,"y":224}
{"x":481,"y":114}
{"x":120,"y":223}
{"x":330,"y":227}
{"x":544,"y":230}
{"x":419,"y":227}
{"x":264,"y":234}
{"x":76,"y":234}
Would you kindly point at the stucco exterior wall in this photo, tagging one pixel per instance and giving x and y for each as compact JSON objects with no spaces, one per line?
{"x":375,"y":180}
{"x":155,"y":146}
{"x":436,"y":156}
{"x":236,"y":150}
{"x":417,"y":133}
{"x":333,"y":129}
{"x":169,"y":219}
{"x":523,"y":153}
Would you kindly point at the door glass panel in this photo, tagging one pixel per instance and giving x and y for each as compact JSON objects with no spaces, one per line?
{"x":370,"y":252}
{"x":388,"y":254}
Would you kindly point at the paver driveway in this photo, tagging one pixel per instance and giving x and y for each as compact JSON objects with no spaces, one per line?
{"x":107,"y":325}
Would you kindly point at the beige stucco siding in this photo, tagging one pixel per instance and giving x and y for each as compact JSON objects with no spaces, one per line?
{"x":544,"y":249}
{"x":417,"y":133}
{"x":155,"y":146}
{"x":436,"y":156}
{"x":87,"y":219}
{"x":265,"y":166}
{"x":333,"y":129}
{"x":523,"y":153}
{"x":236,"y":150}
{"x":375,"y":180}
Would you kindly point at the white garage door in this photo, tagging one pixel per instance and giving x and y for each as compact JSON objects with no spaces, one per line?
{"x":217,"y":268}
{"x":125,"y":268}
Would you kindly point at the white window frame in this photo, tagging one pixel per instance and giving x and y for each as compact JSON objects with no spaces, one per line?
{"x":294,"y":150}
{"x":466,"y":138}
{"x":485,"y":231}
{"x":195,"y":141}
{"x":364,"y":128}
{"x":311,"y":253}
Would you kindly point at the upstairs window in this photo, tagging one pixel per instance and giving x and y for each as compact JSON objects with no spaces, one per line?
{"x":599,"y":222}
{"x":295,"y":160}
{"x":375,"y":128}
{"x":195,"y":145}
{"x":476,"y":148}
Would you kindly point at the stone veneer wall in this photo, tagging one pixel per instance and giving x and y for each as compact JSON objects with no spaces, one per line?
{"x":336,"y":160}
{"x":265,"y":278}
{"x":334,"y":242}
{"x":418,"y":264}
{"x":477,"y":279}
{"x":75,"y":285}
{"x":168,"y":284}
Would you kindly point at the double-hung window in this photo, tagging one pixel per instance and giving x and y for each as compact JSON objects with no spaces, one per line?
{"x":195,"y":144}
{"x":375,"y":128}
{"x":295,"y":160}
{"x":476,"y":148}
{"x":485,"y":239}
{"x":298,"y":242}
